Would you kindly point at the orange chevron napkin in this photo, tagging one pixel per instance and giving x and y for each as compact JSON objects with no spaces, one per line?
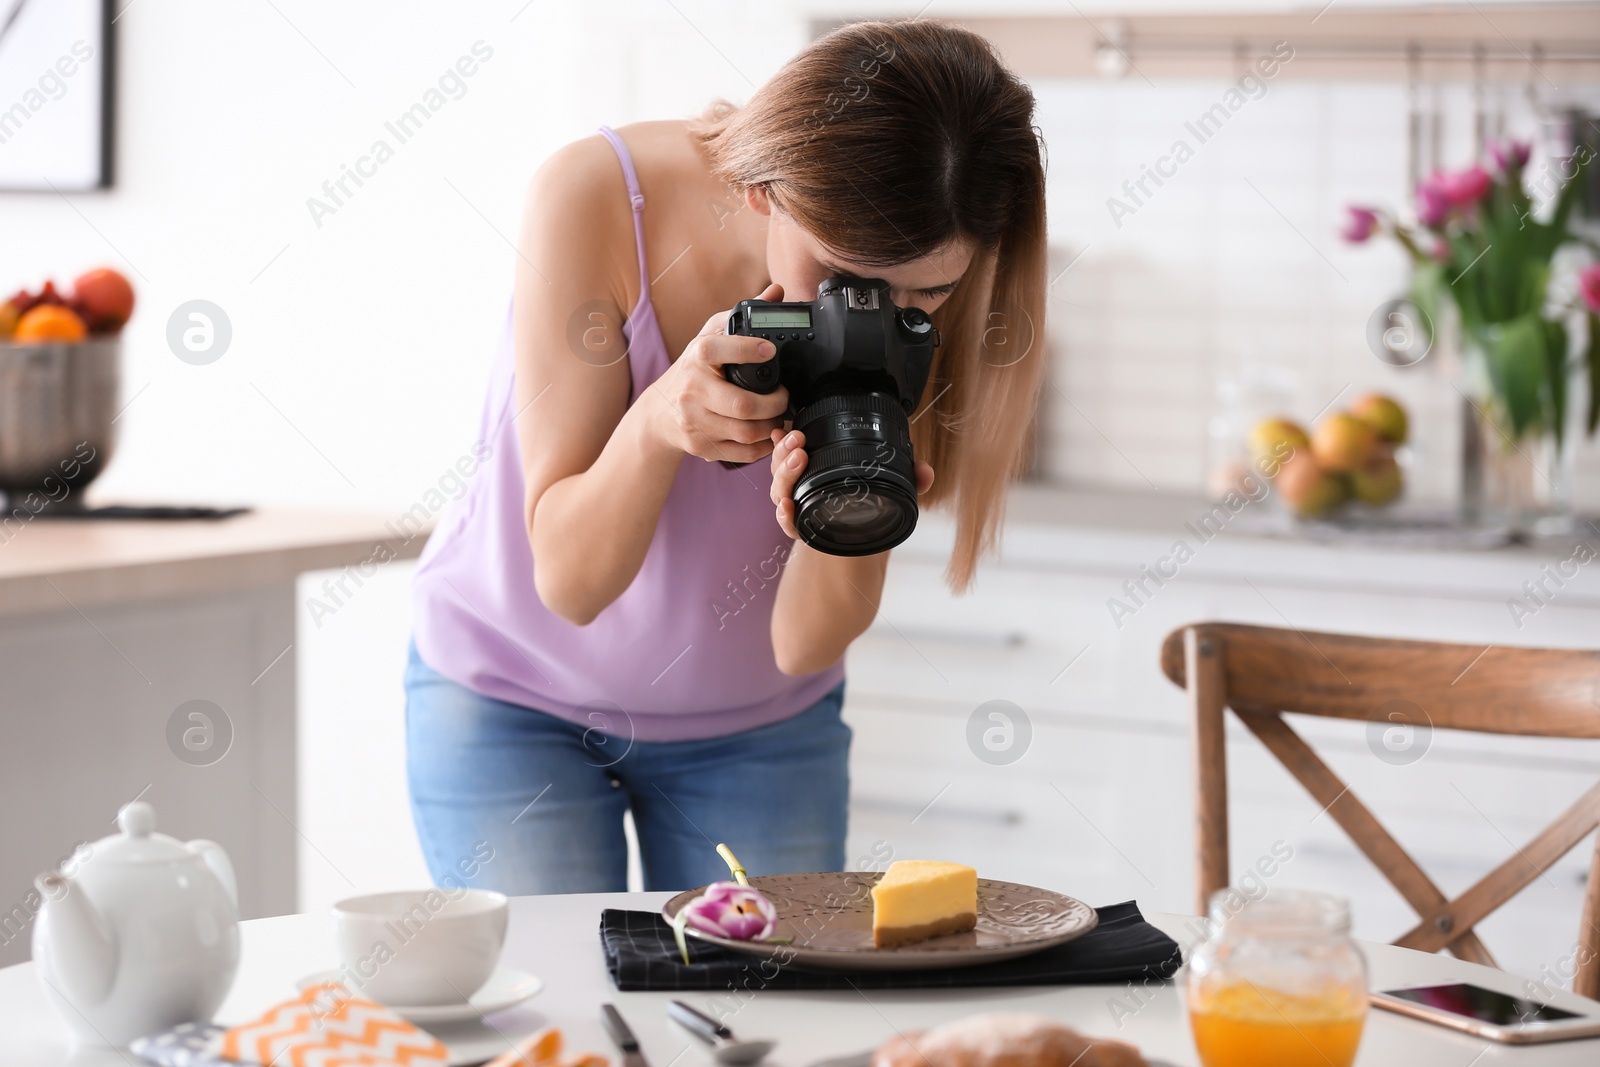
{"x":328,"y":1027}
{"x":545,"y":1049}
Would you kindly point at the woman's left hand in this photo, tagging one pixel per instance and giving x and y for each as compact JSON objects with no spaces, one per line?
{"x":789,"y":463}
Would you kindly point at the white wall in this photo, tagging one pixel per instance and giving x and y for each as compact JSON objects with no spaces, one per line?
{"x":371,"y":333}
{"x":360,"y":346}
{"x":1236,"y":261}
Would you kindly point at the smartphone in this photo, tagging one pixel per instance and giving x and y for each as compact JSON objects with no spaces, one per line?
{"x":1488,"y":1014}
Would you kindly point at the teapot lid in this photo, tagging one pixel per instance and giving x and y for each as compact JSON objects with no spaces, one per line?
{"x":138,"y":842}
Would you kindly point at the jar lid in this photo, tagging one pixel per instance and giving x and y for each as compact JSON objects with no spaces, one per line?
{"x":1280,"y":913}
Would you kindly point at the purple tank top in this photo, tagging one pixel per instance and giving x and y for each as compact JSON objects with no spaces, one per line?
{"x":685,"y":651}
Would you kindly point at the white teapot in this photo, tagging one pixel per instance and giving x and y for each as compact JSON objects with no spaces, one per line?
{"x":145,"y":934}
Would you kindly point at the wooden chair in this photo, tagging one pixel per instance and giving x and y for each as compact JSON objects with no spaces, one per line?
{"x":1261,"y":671}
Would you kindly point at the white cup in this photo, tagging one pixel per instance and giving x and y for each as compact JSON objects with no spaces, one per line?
{"x":419,"y":946}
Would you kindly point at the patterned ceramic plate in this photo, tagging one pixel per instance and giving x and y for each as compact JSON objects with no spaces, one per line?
{"x":829,"y":916}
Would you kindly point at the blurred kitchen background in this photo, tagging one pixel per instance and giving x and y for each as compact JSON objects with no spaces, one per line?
{"x":361,"y":340}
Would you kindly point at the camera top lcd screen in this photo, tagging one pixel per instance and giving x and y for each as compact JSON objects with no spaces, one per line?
{"x":1475,"y":1002}
{"x":770,"y":318}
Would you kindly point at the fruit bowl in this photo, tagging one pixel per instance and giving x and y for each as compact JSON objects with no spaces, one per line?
{"x":1351,"y":458}
{"x":58,"y":403}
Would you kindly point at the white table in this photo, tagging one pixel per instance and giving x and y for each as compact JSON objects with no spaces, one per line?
{"x":557,"y":939}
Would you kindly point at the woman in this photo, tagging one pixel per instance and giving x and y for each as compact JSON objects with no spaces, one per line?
{"x":610,"y":622}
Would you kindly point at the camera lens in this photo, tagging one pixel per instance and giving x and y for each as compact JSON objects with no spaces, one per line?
{"x":858,"y":495}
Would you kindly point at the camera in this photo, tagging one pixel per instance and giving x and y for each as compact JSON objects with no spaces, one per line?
{"x":855,"y":366}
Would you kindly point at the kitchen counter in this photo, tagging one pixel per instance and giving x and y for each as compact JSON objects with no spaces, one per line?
{"x":1052,"y":528}
{"x":158,"y":659}
{"x":100,"y":562}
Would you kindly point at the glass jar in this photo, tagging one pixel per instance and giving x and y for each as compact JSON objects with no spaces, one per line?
{"x":1279,"y":983}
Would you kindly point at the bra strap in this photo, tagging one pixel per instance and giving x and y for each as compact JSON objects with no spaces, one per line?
{"x":631,"y":176}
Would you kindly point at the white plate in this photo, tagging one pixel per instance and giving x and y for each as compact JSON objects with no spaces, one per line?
{"x":506,"y":988}
{"x":475,"y":1042}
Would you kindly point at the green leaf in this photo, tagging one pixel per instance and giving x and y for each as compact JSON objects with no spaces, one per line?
{"x":1591,"y":356}
{"x":1518,"y":200}
{"x":1534,"y":279}
{"x":1517,"y":363}
{"x":1427,"y":286}
{"x":1466,"y":280}
{"x":1555,"y":358}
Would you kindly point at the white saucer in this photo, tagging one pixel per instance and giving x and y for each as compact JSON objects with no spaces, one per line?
{"x":506,"y":988}
{"x":474,"y":1043}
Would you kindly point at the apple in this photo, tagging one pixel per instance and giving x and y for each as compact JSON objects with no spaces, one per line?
{"x":1341,"y":442}
{"x":1309,"y":490}
{"x":1272,"y":441}
{"x":1379,"y":480}
{"x":1383,"y":414}
{"x":104,"y":298}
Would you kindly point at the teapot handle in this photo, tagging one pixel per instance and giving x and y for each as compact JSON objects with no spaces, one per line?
{"x":213,"y":856}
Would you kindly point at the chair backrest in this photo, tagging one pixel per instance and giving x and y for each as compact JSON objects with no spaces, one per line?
{"x":1540,"y":692}
{"x":1261,"y":672}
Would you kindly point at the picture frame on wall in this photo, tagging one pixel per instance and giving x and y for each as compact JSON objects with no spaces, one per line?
{"x":57,"y":63}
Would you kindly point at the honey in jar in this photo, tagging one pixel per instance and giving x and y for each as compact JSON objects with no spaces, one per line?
{"x":1279,"y":983}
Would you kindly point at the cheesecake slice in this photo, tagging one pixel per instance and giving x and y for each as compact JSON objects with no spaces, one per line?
{"x":919,"y":899}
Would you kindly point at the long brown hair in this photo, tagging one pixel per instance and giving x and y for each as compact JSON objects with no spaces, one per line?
{"x":888,"y":141}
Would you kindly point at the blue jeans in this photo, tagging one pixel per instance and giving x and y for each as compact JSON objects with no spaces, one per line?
{"x":509,"y":798}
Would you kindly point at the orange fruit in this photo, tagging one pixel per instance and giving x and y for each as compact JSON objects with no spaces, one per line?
{"x":8,"y":320}
{"x":49,"y":322}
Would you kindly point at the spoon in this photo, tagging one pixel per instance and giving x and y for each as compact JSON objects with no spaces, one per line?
{"x":724,"y":1046}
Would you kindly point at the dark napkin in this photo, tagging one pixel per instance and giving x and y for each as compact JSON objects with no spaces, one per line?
{"x":642,"y":955}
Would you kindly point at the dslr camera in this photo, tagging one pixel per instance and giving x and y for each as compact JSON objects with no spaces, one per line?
{"x":855,"y":366}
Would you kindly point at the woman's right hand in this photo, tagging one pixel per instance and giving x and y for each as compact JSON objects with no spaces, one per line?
{"x":700,"y":412}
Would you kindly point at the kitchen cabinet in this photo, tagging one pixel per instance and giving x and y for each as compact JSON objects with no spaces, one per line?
{"x":114,"y":637}
{"x":1098,"y":803}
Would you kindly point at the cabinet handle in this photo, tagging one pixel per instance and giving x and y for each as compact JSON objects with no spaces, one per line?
{"x":946,"y":812}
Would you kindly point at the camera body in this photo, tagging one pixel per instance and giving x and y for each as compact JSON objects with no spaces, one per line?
{"x":855,"y":366}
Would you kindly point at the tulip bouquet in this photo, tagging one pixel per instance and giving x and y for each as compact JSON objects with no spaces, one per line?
{"x":1477,"y":244}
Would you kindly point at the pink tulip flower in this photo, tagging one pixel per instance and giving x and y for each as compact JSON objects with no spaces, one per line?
{"x":734,"y":911}
{"x":1359,"y":224}
{"x":1463,"y":188}
{"x":1433,"y":206}
{"x":1589,"y":286}
{"x":1510,"y":156}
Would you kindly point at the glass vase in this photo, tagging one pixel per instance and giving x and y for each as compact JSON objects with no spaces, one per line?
{"x":1523,"y":482}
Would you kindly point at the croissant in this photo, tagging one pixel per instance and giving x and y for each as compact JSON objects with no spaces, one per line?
{"x":1004,"y":1040}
